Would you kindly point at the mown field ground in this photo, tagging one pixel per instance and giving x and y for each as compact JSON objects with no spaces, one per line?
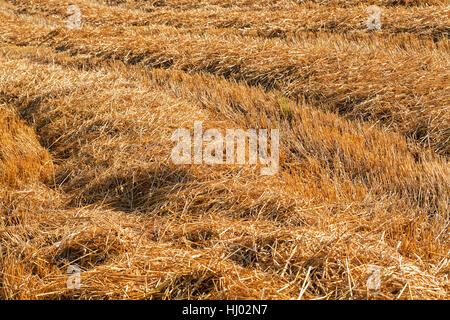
{"x":86,"y":177}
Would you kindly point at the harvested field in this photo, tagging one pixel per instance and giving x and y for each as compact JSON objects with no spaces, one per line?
{"x":87,"y":176}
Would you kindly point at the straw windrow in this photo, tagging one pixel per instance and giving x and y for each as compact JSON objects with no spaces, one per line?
{"x":86,"y":178}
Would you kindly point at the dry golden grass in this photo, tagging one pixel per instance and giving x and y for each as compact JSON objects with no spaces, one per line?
{"x":407,"y":78}
{"x":86,"y":178}
{"x":22,"y":158}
